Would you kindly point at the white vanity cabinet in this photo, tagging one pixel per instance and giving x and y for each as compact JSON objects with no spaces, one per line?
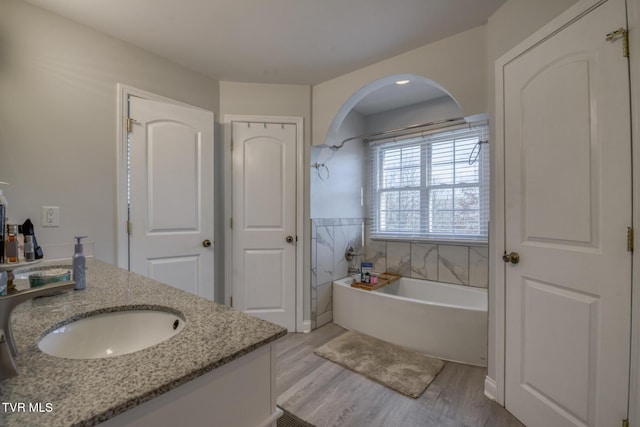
{"x":241,"y":393}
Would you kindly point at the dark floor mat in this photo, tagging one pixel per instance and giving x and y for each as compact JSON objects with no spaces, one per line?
{"x":290,"y":420}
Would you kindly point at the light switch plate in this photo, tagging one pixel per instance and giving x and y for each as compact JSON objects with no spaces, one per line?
{"x":50,"y":216}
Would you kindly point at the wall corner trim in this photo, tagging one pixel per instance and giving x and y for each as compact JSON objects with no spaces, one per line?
{"x":306,"y":326}
{"x":490,"y":388}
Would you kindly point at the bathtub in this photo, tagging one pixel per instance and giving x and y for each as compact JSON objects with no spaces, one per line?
{"x":437,"y":319}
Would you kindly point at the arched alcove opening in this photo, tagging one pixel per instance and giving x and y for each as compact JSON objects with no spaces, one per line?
{"x":393,"y":101}
{"x":338,"y":205}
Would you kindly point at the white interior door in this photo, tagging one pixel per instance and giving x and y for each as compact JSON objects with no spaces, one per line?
{"x":567,"y":209}
{"x":171,"y":194}
{"x":264,"y":221}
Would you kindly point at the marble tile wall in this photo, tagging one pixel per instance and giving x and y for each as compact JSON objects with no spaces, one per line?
{"x":329,"y":240}
{"x":457,"y":264}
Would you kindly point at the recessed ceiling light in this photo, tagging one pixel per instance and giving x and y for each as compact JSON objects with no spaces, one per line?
{"x":402,"y":82}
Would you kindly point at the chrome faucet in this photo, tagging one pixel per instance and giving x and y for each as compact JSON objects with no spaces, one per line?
{"x":8,"y":348}
{"x":350,"y":254}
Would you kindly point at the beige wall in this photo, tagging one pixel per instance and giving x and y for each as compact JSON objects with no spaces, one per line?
{"x":58,"y":119}
{"x":458,"y":63}
{"x":266,"y":99}
{"x":516,"y":20}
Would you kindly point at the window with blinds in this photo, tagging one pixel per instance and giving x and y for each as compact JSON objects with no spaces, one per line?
{"x":431,"y":187}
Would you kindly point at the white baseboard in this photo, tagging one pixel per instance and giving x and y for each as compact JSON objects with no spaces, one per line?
{"x":64,"y":251}
{"x":490,"y":388}
{"x":306,"y":326}
{"x":324,"y":318}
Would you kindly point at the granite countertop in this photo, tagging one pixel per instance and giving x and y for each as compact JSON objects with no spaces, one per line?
{"x":66,"y":392}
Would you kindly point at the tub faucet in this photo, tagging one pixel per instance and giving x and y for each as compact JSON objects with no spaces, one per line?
{"x":8,"y":348}
{"x":350,"y":254}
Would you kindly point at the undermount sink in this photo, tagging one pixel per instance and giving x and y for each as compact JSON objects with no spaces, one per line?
{"x":111,"y":334}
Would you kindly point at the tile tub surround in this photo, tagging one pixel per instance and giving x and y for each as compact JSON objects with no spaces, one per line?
{"x":460,"y":265}
{"x":448,"y":263}
{"x":457,"y":264}
{"x":329,"y":240}
{"x":86,"y":392}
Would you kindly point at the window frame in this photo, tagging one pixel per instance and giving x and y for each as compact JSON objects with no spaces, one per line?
{"x":421,"y":233}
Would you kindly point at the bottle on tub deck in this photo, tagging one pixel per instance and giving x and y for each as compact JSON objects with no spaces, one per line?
{"x":79,"y":265}
{"x":366,"y":268}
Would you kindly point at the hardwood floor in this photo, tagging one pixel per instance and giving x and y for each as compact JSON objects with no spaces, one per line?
{"x":325,"y":394}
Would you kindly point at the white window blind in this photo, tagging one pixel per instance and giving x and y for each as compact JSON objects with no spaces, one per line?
{"x":431,"y":187}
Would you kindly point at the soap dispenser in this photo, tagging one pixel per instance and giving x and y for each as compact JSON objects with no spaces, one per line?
{"x":79,"y":262}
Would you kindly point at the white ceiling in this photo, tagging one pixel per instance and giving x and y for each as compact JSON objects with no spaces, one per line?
{"x":276,"y":41}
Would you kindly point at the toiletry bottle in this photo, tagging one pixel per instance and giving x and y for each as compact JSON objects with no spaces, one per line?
{"x":2,"y":233}
{"x":12,"y":246}
{"x":79,"y":273}
{"x":3,"y":221}
{"x":27,"y":230}
{"x":29,"y":254}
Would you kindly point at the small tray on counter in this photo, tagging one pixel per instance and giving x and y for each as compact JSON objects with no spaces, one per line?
{"x":383,"y":280}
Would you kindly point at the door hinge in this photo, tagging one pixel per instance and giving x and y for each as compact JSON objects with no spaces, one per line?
{"x":620,"y":32}
{"x":231,"y":145}
{"x":231,"y":301}
{"x":630,"y":239}
{"x":129,"y":228}
{"x":231,"y":222}
{"x":625,"y":423}
{"x":130,"y":123}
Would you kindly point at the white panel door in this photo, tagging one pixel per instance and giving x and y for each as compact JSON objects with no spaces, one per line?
{"x":264,"y":221}
{"x":567,"y":208}
{"x":171,"y":194}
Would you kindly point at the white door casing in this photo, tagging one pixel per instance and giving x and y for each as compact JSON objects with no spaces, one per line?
{"x":171,"y":202}
{"x":633,"y":10}
{"x":264,"y":211}
{"x":565,"y":121}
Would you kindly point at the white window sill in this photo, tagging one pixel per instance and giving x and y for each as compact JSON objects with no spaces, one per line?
{"x":435,"y":241}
